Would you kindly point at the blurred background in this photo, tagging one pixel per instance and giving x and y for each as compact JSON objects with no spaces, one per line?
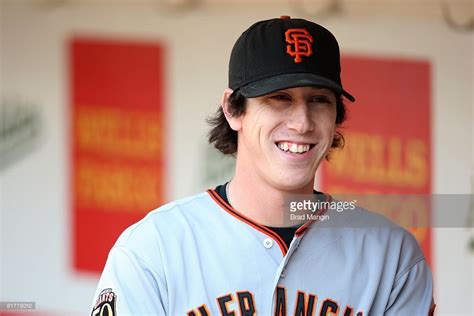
{"x":103,"y":109}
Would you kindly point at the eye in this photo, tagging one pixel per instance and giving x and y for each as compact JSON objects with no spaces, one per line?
{"x":280,"y":97}
{"x":321,"y":99}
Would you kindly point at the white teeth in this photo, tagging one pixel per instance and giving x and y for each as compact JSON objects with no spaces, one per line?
{"x":294,"y":148}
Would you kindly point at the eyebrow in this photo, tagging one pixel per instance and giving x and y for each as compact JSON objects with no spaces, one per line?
{"x":324,"y":91}
{"x":312,"y":88}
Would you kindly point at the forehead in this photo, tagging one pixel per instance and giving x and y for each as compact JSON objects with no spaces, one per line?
{"x":307,"y":90}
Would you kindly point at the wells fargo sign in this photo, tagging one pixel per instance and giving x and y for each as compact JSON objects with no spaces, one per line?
{"x":117,"y":142}
{"x":388,"y":141}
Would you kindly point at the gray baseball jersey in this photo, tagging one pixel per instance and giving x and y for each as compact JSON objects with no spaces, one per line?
{"x":198,"y":256}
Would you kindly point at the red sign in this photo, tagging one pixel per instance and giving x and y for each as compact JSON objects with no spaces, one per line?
{"x":388,"y":135}
{"x":117,"y":159}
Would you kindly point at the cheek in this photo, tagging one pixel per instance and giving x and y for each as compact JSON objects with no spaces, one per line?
{"x":326,"y":124}
{"x":253,"y":126}
{"x":260,"y":123}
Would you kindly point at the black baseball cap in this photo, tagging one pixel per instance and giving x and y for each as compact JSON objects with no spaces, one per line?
{"x":284,"y":53}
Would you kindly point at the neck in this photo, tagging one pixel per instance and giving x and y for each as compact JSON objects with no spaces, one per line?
{"x":259,"y":200}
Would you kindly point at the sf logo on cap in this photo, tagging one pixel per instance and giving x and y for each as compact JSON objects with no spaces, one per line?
{"x":300,"y":43}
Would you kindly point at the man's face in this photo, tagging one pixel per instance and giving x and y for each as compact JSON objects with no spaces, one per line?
{"x":284,"y":135}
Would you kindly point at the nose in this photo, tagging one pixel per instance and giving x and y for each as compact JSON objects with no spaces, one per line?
{"x":300,"y":118}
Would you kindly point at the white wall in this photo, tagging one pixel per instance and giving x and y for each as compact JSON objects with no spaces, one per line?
{"x":35,"y":215}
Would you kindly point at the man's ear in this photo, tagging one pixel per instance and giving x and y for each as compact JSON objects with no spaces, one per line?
{"x":234,"y":122}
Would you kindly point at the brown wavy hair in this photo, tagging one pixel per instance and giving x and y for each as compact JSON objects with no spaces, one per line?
{"x":224,"y":138}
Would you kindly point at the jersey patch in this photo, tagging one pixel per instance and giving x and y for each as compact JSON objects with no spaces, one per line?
{"x":105,"y":304}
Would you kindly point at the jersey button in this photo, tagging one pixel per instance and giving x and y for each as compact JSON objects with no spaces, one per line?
{"x":268,"y":243}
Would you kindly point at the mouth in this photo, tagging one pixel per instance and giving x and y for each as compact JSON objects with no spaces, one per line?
{"x":294,"y":148}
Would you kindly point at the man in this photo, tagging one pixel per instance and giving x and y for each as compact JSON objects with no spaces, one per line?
{"x":236,"y":250}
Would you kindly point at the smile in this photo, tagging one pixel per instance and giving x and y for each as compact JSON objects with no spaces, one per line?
{"x":294,"y":148}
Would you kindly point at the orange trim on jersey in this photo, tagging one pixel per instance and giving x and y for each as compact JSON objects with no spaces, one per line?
{"x":300,"y":231}
{"x":229,"y":209}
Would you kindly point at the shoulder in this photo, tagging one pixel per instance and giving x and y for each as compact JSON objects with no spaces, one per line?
{"x":383,"y":226}
{"x":148,"y":234}
{"x":357,"y":217}
{"x":376,"y":236}
{"x":370,"y":222}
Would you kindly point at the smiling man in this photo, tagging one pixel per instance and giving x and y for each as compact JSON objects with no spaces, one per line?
{"x":282,"y":137}
{"x":234,"y":250}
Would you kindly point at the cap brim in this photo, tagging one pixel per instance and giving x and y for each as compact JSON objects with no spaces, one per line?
{"x":286,"y":81}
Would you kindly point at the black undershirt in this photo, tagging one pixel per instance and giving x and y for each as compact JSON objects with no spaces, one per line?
{"x":286,"y":233}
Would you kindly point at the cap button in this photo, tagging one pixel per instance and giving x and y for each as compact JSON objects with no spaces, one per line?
{"x":285,"y":17}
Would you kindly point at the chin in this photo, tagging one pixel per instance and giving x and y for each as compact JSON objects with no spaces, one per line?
{"x":290,"y":183}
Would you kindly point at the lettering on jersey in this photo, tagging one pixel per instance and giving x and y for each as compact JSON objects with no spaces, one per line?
{"x":349,"y":311}
{"x":222,"y":302}
{"x":329,"y":308}
{"x":246,"y":304}
{"x":201,"y":311}
{"x":280,"y":304}
{"x":305,"y":304}
{"x":242,"y":303}
{"x":105,"y":304}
